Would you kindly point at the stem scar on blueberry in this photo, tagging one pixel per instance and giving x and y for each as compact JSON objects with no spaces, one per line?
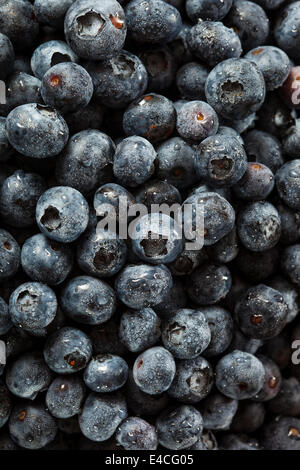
{"x":55,"y":80}
{"x":256,"y":319}
{"x":22,"y":415}
{"x":257,"y":51}
{"x":273,"y":381}
{"x":116,"y":21}
{"x":294,"y":433}
{"x":7,"y":246}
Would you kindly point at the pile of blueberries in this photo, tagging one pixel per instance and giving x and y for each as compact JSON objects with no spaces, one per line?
{"x":145,"y":343}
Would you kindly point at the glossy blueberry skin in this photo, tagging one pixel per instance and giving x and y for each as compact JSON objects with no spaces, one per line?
{"x":151,"y":116}
{"x":46,"y":261}
{"x":219,"y":216}
{"x":154,"y":22}
{"x":196,"y":120}
{"x":187,"y":262}
{"x":211,"y":10}
{"x":264,"y":148}
{"x":161,"y":67}
{"x":212,"y":42}
{"x":287,"y":23}
{"x":287,"y":183}
{"x":28,"y":375}
{"x":101,"y":253}
{"x":221,"y":327}
{"x":235,"y":88}
{"x":106,"y":373}
{"x":139,"y":329}
{"x":175,"y":299}
{"x":141,"y":403}
{"x":158,"y":192}
{"x":5,"y":321}
{"x":209,"y":284}
{"x":290,"y":263}
{"x":239,"y":375}
{"x":65,"y":396}
{"x":261,"y":312}
{"x":175,"y":163}
{"x":186,"y":334}
{"x":88,"y":300}
{"x":286,"y":402}
{"x":6,"y":150}
{"x":257,"y":266}
{"x":226,"y":249}
{"x":36,"y":130}
{"x":22,"y":88}
{"x":291,"y":141}
{"x":51,"y":13}
{"x":164,"y":243}
{"x":19,"y":194}
{"x":62,"y":214}
{"x":50,"y":53}
{"x":95,"y":30}
{"x":86,"y":161}
{"x":7,"y":56}
{"x":136,"y":434}
{"x":18,"y":22}
{"x":141,"y":155}
{"x":190,"y":80}
{"x":67,"y":351}
{"x":142,"y":285}
{"x":118,"y":80}
{"x":220,"y":160}
{"x":249,"y":417}
{"x":289,"y":293}
{"x":193,"y":380}
{"x":250,"y":21}
{"x":256,"y":184}
{"x":272,"y":382}
{"x":218,"y":411}
{"x":101,"y":415}
{"x":31,"y":426}
{"x":273,"y":63}
{"x":179,"y":428}
{"x":67,"y":87}
{"x":258,"y":226}
{"x":10,"y":254}
{"x":5,"y":404}
{"x":281,"y":434}
{"x":32,"y":305}
{"x":154,"y":370}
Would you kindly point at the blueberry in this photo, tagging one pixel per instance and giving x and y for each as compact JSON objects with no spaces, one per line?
{"x":141,"y":155}
{"x":256,"y":184}
{"x":175,"y":163}
{"x":90,"y":117}
{"x":221,"y":327}
{"x":179,"y":46}
{"x":32,"y":305}
{"x":289,"y":91}
{"x":19,"y":194}
{"x":230,"y":132}
{"x":257,"y":266}
{"x":239,"y":375}
{"x":259,"y":226}
{"x":155,"y":193}
{"x":273,"y":63}
{"x":22,"y":88}
{"x":285,"y":28}
{"x":7,"y":56}
{"x":105,"y":338}
{"x":36,"y":130}
{"x":6,"y":150}
{"x":264,"y":148}
{"x":212,"y":10}
{"x":179,"y":428}
{"x":186,"y":334}
{"x":272,"y":382}
{"x":218,"y":215}
{"x":220,"y":160}
{"x":50,"y":53}
{"x":46,"y":261}
{"x":86,"y":161}
{"x":139,"y":329}
{"x":154,"y":370}
{"x":51,"y":13}
{"x":111,"y":193}
{"x":290,"y":263}
{"x":238,"y":442}
{"x":67,"y":87}
{"x":196,"y":120}
{"x":286,"y":400}
{"x":31,"y":426}
{"x":62,"y":214}
{"x":209,"y":284}
{"x":206,"y":441}
{"x":212,"y":42}
{"x":106,"y":373}
{"x":193,"y":380}
{"x":152,"y":21}
{"x":101,"y":415}
{"x":101,"y":253}
{"x":5,"y":321}
{"x":289,"y":294}
{"x":88,"y":300}
{"x":226,"y":249}
{"x":175,"y":299}
{"x":18,"y":22}
{"x":261,"y":312}
{"x":235,"y":88}
{"x":281,"y":434}
{"x":5,"y":404}
{"x":190,"y":80}
{"x":67,"y":351}
{"x":95,"y":30}
{"x":118,"y":80}
{"x":10,"y":255}
{"x":218,"y":411}
{"x":136,"y":434}
{"x":140,"y":286}
{"x":250,"y":22}
{"x":270,"y":4}
{"x":28,"y":375}
{"x":161,"y":66}
{"x":274,"y":117}
{"x":249,"y":417}
{"x":187,"y":262}
{"x":151,"y":116}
